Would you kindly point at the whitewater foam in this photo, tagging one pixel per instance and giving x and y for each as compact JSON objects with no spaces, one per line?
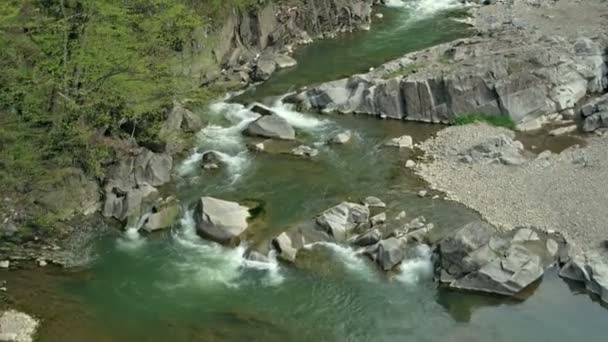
{"x":208,"y":264}
{"x":297,"y":119}
{"x":417,"y":269}
{"x":424,"y":8}
{"x":130,"y":240}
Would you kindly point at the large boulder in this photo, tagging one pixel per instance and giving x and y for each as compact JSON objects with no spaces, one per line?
{"x":130,"y":186}
{"x":591,"y":269}
{"x":391,"y":252}
{"x":478,"y":258}
{"x":265,"y":67}
{"x":342,"y":219}
{"x":219,"y":220}
{"x":163,"y":217}
{"x":271,"y":126}
{"x":288,"y":243}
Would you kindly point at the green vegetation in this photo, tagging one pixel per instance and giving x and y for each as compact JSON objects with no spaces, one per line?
{"x":407,"y":70}
{"x":494,"y":120}
{"x":78,"y":74}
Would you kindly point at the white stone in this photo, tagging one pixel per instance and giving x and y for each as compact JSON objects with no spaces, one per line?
{"x":563,"y":130}
{"x":410,"y":164}
{"x":5,"y":264}
{"x":402,"y":142}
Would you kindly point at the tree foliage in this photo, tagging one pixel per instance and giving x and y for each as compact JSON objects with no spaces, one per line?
{"x":77,"y":71}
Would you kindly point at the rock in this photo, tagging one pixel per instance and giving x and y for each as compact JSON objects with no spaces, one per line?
{"x":595,"y":121}
{"x":265,"y":67}
{"x":531,"y":124}
{"x":477,"y":258}
{"x":42,"y":263}
{"x":288,"y":243}
{"x":17,"y":326}
{"x":342,"y":219}
{"x":164,"y":217}
{"x":552,"y":247}
{"x":220,"y":220}
{"x":550,"y":77}
{"x":253,"y":255}
{"x":390,"y":253}
{"x":401,"y":216}
{"x":211,"y":160}
{"x":457,"y":251}
{"x":182,"y":119}
{"x":261,"y":109}
{"x":379,"y":15}
{"x":378,"y":219}
{"x":563,"y":130}
{"x":420,"y":235}
{"x":271,"y":126}
{"x":284,"y":61}
{"x":422,"y":193}
{"x":501,"y":149}
{"x":5,"y":264}
{"x":305,"y":151}
{"x":373,"y":202}
{"x":509,"y":276}
{"x":257,"y":147}
{"x":410,"y":164}
{"x":525,"y":234}
{"x":417,"y":223}
{"x":72,"y":194}
{"x":592,"y":269}
{"x":370,"y":238}
{"x":341,"y":138}
{"x":402,"y":142}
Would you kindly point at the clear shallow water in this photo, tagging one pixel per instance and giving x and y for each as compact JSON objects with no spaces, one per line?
{"x":175,"y":286}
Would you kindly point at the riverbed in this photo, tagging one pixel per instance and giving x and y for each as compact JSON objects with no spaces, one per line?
{"x":176,"y":286}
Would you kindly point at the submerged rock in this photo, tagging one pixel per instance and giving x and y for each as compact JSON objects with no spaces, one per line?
{"x":402,"y":142}
{"x":341,"y":138}
{"x":305,"y":151}
{"x":211,"y":160}
{"x":373,"y":202}
{"x":271,"y":126}
{"x":261,"y":109}
{"x":220,"y":220}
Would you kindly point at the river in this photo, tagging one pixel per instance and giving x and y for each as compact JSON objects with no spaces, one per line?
{"x":176,"y":286}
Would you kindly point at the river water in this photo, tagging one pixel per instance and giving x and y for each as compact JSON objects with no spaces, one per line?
{"x":176,"y":286}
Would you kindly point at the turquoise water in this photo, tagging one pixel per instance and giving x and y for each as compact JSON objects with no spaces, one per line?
{"x":176,"y":286}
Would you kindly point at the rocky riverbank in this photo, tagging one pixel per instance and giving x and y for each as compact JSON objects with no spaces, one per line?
{"x":513,"y":67}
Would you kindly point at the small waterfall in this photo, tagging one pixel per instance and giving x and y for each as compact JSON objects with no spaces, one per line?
{"x":295,"y":118}
{"x":424,"y":8}
{"x":207,"y":264}
{"x":417,"y":269}
{"x":131,"y":239}
{"x":348,"y":256}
